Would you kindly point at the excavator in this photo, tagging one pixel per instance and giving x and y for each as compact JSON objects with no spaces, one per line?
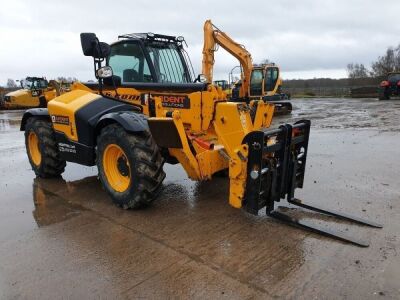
{"x":258,"y":82}
{"x":147,"y":109}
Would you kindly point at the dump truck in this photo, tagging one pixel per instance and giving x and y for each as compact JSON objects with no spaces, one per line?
{"x":390,"y":87}
{"x":258,"y":82}
{"x":147,"y":109}
{"x":34,"y":92}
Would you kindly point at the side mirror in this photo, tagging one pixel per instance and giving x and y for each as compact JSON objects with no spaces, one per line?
{"x":92,"y":47}
{"x":88,"y":42}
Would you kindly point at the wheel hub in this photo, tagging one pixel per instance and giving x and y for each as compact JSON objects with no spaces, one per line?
{"x":122,"y":166}
{"x":116,"y":168}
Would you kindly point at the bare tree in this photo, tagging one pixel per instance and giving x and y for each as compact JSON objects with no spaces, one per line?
{"x":266,"y":61}
{"x":357,"y":71}
{"x":66,"y":79}
{"x":389,"y":62}
{"x":11,"y":83}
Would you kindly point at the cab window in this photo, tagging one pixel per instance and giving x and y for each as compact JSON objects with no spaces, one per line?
{"x":271,"y":77}
{"x":168,"y":63}
{"x":128,"y":62}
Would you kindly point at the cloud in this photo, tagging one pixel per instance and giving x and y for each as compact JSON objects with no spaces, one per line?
{"x":42,"y":38}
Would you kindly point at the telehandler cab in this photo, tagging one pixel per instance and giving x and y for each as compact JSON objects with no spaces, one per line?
{"x":129,"y":128}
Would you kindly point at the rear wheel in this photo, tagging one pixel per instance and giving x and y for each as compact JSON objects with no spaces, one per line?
{"x":42,"y":148}
{"x":130,"y":166}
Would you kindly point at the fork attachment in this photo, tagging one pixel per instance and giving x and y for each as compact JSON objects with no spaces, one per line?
{"x":276,"y":167}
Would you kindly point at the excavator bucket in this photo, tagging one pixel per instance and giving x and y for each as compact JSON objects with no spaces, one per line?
{"x":276,"y":167}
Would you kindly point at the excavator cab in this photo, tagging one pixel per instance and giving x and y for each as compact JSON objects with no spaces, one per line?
{"x":266,"y":84}
{"x":264,"y":81}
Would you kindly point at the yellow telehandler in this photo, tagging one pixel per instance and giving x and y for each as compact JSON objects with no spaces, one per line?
{"x":34,"y":92}
{"x":147,"y":109}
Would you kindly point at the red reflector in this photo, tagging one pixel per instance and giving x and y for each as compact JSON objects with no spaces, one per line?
{"x":385,"y":83}
{"x":296,"y":131}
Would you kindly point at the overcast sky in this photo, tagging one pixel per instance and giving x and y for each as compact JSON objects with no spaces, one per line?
{"x":307,"y":38}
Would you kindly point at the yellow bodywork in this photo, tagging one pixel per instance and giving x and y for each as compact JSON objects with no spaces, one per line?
{"x":65,"y":106}
{"x":211,"y":131}
{"x":23,"y":98}
{"x":28,"y":98}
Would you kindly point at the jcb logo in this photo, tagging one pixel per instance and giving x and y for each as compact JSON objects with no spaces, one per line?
{"x":64,"y":120}
{"x":175,"y":101}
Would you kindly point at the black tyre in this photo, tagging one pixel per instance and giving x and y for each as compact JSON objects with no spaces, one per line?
{"x":42,"y":149}
{"x":130,"y":166}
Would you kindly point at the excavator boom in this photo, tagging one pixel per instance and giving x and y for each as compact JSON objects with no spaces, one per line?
{"x":213,"y":36}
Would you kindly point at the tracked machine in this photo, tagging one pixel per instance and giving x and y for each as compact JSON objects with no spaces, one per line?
{"x":258,"y":82}
{"x":147,"y":109}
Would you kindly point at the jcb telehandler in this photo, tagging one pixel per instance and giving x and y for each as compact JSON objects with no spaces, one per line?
{"x":258,"y":82}
{"x":129,"y":128}
{"x":34,"y":92}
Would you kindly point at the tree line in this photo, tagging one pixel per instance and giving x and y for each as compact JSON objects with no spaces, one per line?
{"x":389,"y":62}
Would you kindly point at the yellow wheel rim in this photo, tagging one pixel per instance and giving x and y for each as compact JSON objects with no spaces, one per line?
{"x":116,"y":168}
{"x":34,"y":151}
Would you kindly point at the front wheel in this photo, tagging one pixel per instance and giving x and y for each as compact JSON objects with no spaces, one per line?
{"x":130,"y":166}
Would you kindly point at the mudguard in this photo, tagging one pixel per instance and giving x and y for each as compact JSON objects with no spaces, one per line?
{"x":41,"y":113}
{"x":130,"y":121}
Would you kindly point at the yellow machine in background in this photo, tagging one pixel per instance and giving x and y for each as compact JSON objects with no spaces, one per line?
{"x":258,"y":82}
{"x":34,"y":92}
{"x":146,"y":110}
{"x":225,"y":86}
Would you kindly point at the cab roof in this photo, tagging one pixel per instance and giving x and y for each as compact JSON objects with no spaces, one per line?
{"x":179,"y":40}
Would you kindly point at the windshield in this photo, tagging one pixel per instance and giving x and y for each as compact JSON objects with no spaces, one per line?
{"x":30,"y":83}
{"x":394,"y":77}
{"x":168,"y":63}
{"x":129,"y":63}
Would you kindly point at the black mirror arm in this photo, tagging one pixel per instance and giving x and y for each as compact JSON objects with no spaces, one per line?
{"x":197,"y":79}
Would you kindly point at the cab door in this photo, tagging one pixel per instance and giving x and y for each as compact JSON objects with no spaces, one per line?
{"x":271,"y":76}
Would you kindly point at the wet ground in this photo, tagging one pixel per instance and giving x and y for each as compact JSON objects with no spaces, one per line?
{"x":63,"y":238}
